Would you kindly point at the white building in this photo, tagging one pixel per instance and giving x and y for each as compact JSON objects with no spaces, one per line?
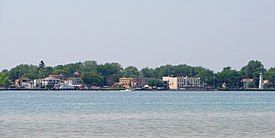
{"x":261,"y":82}
{"x":172,"y":82}
{"x":50,"y":81}
{"x":73,"y":81}
{"x":189,"y":82}
{"x":175,"y":83}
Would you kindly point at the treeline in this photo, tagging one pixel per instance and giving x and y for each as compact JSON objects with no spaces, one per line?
{"x":94,"y":74}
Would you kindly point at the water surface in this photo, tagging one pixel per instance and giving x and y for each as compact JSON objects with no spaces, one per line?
{"x":137,"y":114}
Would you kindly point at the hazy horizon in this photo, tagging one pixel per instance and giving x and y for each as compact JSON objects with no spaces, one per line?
{"x":140,"y":33}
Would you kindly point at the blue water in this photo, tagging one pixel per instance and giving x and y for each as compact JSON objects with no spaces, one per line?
{"x":137,"y":114}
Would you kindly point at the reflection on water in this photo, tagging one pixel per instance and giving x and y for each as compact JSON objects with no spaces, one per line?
{"x":143,"y":114}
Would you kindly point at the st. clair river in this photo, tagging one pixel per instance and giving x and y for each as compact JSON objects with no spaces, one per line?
{"x":136,"y":114}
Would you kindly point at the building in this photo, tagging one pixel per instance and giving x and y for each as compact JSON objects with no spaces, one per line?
{"x":51,"y":81}
{"x":189,"y":82}
{"x":37,"y":83}
{"x":61,"y":77}
{"x":132,"y":82}
{"x":176,"y":83}
{"x":172,"y":82}
{"x":75,"y":82}
{"x":23,"y":82}
{"x":125,"y":82}
{"x":139,"y":82}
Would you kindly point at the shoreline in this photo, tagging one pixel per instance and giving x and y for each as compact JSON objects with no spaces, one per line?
{"x":134,"y":90}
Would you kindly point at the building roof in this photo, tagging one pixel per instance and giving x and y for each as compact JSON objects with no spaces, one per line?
{"x":247,"y":80}
{"x":50,"y":78}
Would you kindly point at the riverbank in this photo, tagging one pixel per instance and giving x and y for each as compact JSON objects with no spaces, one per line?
{"x":122,"y":89}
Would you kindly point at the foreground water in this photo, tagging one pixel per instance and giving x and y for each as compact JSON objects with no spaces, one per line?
{"x":137,"y":114}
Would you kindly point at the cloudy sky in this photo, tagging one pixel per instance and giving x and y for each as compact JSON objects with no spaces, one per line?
{"x":143,"y":33}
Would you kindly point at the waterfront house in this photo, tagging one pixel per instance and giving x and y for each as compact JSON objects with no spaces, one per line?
{"x":172,"y":82}
{"x":132,"y":82}
{"x":23,"y":82}
{"x":139,"y":82}
{"x":189,"y":82}
{"x":176,"y":83}
{"x":51,"y":81}
{"x":75,"y":82}
{"x":125,"y":82}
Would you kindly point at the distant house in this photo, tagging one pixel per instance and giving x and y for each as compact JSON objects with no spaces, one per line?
{"x":23,"y":82}
{"x":132,"y":82}
{"x":247,"y":83}
{"x":176,"y":83}
{"x":51,"y":81}
{"x":75,"y":82}
{"x":189,"y":82}
{"x":139,"y":82}
{"x":172,"y":82}
{"x":37,"y":83}
{"x":60,"y":76}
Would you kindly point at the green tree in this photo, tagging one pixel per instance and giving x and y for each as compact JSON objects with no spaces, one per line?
{"x":183,"y":70}
{"x":252,"y":70}
{"x":270,"y":76}
{"x":155,"y":83}
{"x":166,"y":70}
{"x":148,"y":73}
{"x":92,"y":79}
{"x":108,"y":69}
{"x":29,"y":71}
{"x":205,"y":75}
{"x":67,"y":70}
{"x":4,"y":80}
{"x":41,"y":64}
{"x":131,"y":71}
{"x":88,"y":66}
{"x":231,"y":77}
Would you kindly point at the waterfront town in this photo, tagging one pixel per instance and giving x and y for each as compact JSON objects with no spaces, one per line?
{"x":111,"y":76}
{"x":58,"y":82}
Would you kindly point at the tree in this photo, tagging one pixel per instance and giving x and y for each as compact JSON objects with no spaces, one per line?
{"x":231,"y":77}
{"x":205,"y":75}
{"x":270,"y":76}
{"x":41,"y":64}
{"x":131,"y":72}
{"x":92,"y":79}
{"x":5,"y":71}
{"x":4,"y":80}
{"x":108,"y":69}
{"x":88,"y":66}
{"x":252,"y":70}
{"x":148,"y":72}
{"x":166,"y":70}
{"x":183,"y":70}
{"x":155,"y":83}
{"x":29,"y":71}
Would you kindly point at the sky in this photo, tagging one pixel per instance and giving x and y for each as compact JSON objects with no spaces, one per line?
{"x":142,"y":33}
